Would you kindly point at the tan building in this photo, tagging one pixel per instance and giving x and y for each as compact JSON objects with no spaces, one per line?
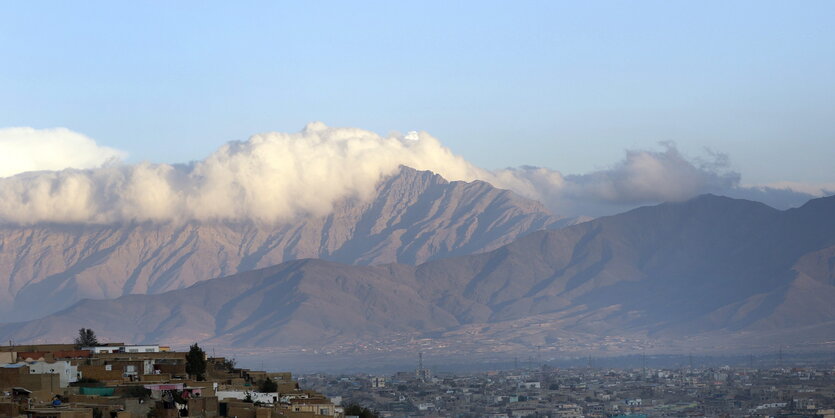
{"x":42,"y":386}
{"x":8,"y":357}
{"x":318,"y":406}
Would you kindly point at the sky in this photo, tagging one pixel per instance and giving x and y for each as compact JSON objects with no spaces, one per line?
{"x":738,"y":90}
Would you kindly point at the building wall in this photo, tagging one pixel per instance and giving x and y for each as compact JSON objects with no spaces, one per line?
{"x":241,"y":395}
{"x":205,"y":406}
{"x":10,"y":376}
{"x":43,"y":386}
{"x":9,"y":409}
{"x":100,"y":373}
{"x":326,"y":409}
{"x":155,"y":378}
{"x":287,"y":387}
{"x":67,"y":373}
{"x":8,"y":357}
{"x":137,"y":409}
{"x":140,"y":349}
{"x":240,"y":410}
{"x":174,"y":355}
{"x":38,"y":347}
{"x":53,"y":355}
{"x":172,"y":369}
{"x":285,"y":376}
{"x":128,"y":367}
{"x":102,"y":349}
{"x":51,"y":413}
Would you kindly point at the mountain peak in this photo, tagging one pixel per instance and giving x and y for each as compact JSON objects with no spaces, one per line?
{"x":412,"y":216}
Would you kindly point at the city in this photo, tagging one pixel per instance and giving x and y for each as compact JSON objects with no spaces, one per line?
{"x":591,"y":392}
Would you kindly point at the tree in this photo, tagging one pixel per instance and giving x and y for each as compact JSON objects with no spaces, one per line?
{"x":86,"y":338}
{"x":360,"y":411}
{"x":229,"y":364}
{"x":267,"y":386}
{"x":196,"y":362}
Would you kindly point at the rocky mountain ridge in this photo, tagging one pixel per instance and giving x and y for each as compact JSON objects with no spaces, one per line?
{"x":415,"y":216}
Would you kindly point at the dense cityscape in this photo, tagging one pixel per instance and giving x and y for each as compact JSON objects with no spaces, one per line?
{"x":591,"y":392}
{"x":90,"y":380}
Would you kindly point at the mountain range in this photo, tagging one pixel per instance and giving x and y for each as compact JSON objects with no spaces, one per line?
{"x":413,"y":217}
{"x":709,"y":272}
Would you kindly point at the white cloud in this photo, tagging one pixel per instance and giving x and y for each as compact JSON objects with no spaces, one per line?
{"x":812,"y":189}
{"x":269,"y":178}
{"x":274,"y":177}
{"x":641,"y":177}
{"x":28,"y":149}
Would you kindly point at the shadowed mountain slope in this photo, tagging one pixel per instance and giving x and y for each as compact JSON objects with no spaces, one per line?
{"x":708,"y":265}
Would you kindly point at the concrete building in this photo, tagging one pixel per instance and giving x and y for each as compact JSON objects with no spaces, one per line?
{"x":140,"y":349}
{"x":67,"y":373}
{"x":102,"y":349}
{"x":8,"y":357}
{"x":378,"y":382}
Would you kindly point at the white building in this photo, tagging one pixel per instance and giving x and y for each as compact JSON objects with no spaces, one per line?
{"x":102,"y":349}
{"x":529,"y":385}
{"x":67,"y":373}
{"x":426,"y":406}
{"x":124,"y":349}
{"x":140,"y":349}
{"x":264,"y":397}
{"x":378,"y":382}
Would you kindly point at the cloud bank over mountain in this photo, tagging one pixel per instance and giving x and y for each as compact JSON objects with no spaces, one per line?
{"x":28,"y":149}
{"x":275,"y":177}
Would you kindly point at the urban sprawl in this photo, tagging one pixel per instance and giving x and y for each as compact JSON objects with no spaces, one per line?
{"x":126,"y":381}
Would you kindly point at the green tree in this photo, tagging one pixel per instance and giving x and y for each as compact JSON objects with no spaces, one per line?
{"x":360,"y":411}
{"x":196,"y":362}
{"x":229,"y":364}
{"x":86,"y":338}
{"x":267,"y":386}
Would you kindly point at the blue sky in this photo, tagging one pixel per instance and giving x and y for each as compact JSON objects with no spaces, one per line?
{"x":565,"y":85}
